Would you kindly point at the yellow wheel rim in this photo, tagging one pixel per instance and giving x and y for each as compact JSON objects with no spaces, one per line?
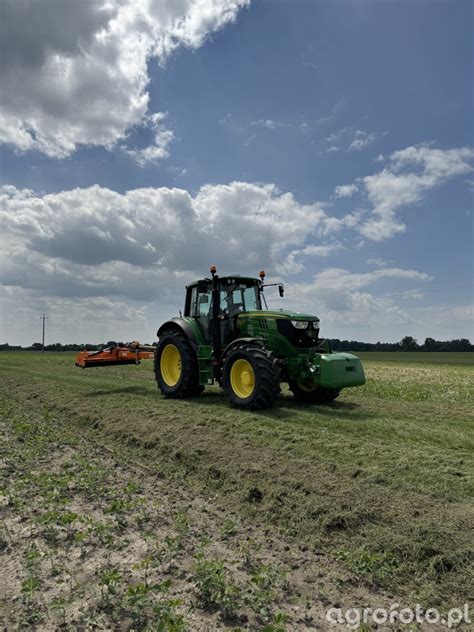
{"x":170,"y":365}
{"x":308,"y":387}
{"x":242,"y":378}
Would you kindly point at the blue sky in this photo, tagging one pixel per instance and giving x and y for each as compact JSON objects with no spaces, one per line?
{"x":290,"y":99}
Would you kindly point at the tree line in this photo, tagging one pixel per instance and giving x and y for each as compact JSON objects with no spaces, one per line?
{"x":57,"y":346}
{"x":408,"y":343}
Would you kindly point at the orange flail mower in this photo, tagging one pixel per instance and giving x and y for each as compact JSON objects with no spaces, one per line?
{"x":130,"y":353}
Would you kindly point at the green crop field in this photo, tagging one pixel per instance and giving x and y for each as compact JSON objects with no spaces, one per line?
{"x":123,"y":510}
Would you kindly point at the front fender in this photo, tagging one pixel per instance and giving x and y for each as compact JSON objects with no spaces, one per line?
{"x":239,"y":341}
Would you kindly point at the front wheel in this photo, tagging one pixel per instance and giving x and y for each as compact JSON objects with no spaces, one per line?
{"x":176,"y":366}
{"x":251,"y":377}
{"x":312,"y":393}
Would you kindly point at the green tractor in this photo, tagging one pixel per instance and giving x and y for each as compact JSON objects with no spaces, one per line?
{"x":226,"y":336}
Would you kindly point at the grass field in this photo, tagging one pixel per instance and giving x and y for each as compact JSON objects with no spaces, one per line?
{"x":420,"y":357}
{"x":123,"y":509}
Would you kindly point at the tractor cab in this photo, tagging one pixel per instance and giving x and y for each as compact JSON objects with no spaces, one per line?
{"x":237,"y":294}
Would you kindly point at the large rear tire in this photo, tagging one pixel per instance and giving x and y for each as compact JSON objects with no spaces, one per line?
{"x":176,"y":366}
{"x":251,"y":377}
{"x":312,"y":393}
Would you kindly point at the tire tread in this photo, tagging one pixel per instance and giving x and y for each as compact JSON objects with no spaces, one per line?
{"x":269,"y":376}
{"x":189,"y":386}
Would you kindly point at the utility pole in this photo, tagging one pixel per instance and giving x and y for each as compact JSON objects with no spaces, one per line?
{"x":43,"y":318}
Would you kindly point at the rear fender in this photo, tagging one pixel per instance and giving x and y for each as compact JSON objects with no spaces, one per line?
{"x":189,"y":327}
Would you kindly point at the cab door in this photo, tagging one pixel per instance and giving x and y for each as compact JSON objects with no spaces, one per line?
{"x":203,"y":310}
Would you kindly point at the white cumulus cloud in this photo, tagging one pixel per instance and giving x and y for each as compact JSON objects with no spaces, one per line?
{"x":107,"y":265}
{"x":95,"y":241}
{"x":345,"y":190}
{"x":345,"y":300}
{"x":75,"y":73}
{"x":409,"y":174}
{"x":323,"y":250}
{"x":162,"y":138}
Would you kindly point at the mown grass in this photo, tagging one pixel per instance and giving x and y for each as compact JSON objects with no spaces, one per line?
{"x":381,"y":479}
{"x":90,"y":542}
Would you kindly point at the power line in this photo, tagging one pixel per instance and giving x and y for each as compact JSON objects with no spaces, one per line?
{"x":44,"y":318}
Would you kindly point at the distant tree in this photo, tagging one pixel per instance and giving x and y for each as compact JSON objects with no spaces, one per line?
{"x":461,"y":344}
{"x":55,"y":346}
{"x":430,"y":344}
{"x":464,"y":345}
{"x":409,"y":344}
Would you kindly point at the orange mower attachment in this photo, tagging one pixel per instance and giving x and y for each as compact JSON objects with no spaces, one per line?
{"x":130,"y":353}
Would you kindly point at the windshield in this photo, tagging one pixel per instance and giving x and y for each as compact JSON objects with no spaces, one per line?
{"x":240,"y":297}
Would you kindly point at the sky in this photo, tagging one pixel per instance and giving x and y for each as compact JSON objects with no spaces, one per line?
{"x":327,"y":142}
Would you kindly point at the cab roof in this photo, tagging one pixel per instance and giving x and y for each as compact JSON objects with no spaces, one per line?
{"x":227,"y":277}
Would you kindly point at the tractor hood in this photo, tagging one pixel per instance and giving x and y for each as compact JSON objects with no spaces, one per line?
{"x":280,"y":313}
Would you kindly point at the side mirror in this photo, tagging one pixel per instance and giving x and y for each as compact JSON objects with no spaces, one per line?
{"x":281,"y":290}
{"x":204,"y":298}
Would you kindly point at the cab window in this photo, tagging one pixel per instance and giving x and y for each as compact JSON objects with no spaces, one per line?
{"x":203,"y":304}
{"x":240,"y":298}
{"x":203,"y":299}
{"x":251,"y":299}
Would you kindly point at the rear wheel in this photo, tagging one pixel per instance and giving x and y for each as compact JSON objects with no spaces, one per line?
{"x":176,"y":366}
{"x":251,"y":377}
{"x":312,"y":393}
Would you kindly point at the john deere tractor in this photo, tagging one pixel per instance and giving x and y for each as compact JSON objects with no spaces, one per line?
{"x":226,"y":336}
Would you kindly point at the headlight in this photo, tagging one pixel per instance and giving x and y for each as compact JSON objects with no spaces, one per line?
{"x":300,"y":324}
